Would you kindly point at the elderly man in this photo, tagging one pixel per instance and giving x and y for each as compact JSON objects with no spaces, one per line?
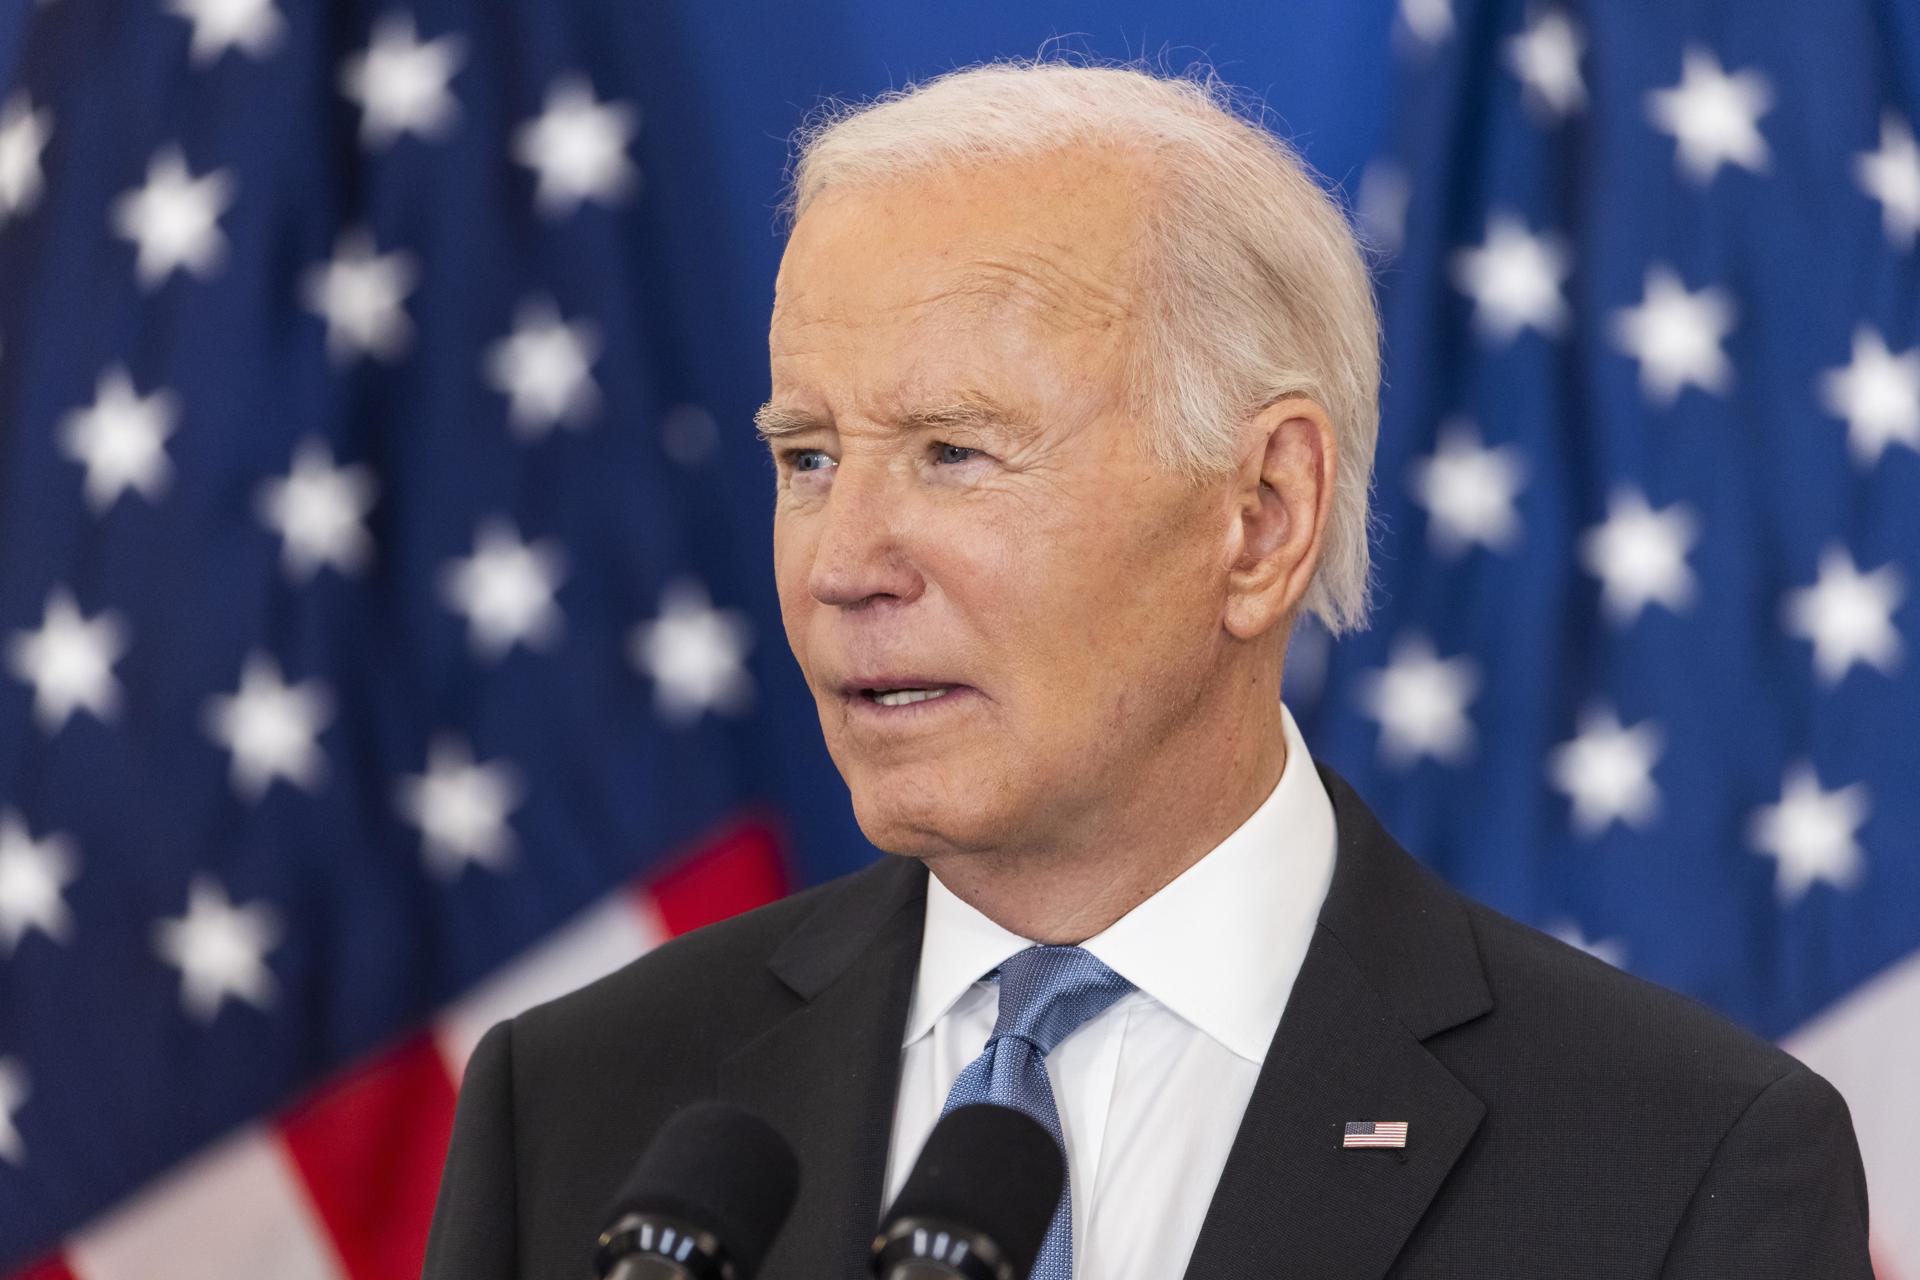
{"x":1073,"y":406}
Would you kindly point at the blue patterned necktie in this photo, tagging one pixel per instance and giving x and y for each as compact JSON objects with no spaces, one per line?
{"x":1046,"y":994}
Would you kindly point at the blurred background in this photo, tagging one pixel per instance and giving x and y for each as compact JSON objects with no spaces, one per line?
{"x":387,"y":631}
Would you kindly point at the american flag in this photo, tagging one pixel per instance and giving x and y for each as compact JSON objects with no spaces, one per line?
{"x":374,"y":658}
{"x":1643,"y":672}
{"x":387,"y":640}
{"x":1374,"y":1133}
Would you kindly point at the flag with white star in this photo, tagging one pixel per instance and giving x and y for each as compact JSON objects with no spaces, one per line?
{"x":1642,"y":670}
{"x":376,"y":658}
{"x":387,"y":640}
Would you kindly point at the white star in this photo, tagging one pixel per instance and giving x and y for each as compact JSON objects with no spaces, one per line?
{"x":695,"y":654}
{"x":33,"y":873}
{"x":577,"y":146}
{"x":14,"y":1092}
{"x":1468,"y":491}
{"x":545,"y":368}
{"x":1420,"y":701}
{"x":174,"y":219}
{"x":1811,"y":833}
{"x":1676,"y":336}
{"x":1606,"y":770}
{"x":254,"y":26}
{"x":69,"y":662}
{"x":1546,"y":57}
{"x":400,"y":82}
{"x":1848,"y":615}
{"x":270,"y":727}
{"x":220,"y":950}
{"x":505,"y":590}
{"x":23,"y":136}
{"x":1612,"y":950}
{"x":1514,"y":280}
{"x":317,"y":509}
{"x":1890,"y":175}
{"x":1640,"y":556}
{"x":1714,"y":117}
{"x":360,"y":293}
{"x":461,"y":808}
{"x":1431,"y":21}
{"x":1878,"y":394}
{"x":121,"y":439}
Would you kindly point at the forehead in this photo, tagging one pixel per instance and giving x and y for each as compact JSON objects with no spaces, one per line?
{"x":1049,"y":240}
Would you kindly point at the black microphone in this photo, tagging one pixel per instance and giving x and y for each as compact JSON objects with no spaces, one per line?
{"x":978,"y":1201}
{"x":705,"y":1201}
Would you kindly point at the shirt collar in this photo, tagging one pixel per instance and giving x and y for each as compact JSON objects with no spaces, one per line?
{"x":1220,"y":945}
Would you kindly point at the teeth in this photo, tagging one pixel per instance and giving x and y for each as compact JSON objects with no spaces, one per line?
{"x":901,"y":697}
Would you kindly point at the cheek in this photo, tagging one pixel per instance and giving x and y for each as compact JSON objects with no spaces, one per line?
{"x":792,"y":562}
{"x":998,"y":564}
{"x":1129,"y":590}
{"x":1143,"y":646}
{"x":1085,"y":622}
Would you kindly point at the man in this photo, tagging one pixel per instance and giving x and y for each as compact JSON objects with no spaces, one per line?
{"x":1073,"y":408}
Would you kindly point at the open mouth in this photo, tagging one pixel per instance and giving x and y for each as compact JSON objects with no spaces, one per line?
{"x":906,"y":697}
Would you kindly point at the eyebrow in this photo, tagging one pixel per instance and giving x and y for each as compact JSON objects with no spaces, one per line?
{"x":970,"y":409}
{"x":771,"y":422}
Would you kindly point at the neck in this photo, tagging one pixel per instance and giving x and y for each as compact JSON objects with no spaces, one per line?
{"x":1203,"y":785}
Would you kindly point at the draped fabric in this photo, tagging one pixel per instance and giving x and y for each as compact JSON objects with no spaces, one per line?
{"x":387,"y":634}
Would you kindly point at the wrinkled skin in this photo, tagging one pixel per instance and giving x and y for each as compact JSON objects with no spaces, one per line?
{"x":965,"y":499}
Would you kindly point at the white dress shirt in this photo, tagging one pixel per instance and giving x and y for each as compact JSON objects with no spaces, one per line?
{"x":1151,"y":1091}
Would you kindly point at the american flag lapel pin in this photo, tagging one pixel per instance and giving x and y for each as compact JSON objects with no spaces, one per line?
{"x":1375,"y":1133}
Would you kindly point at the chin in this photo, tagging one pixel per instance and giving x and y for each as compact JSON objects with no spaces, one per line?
{"x":922,"y":822}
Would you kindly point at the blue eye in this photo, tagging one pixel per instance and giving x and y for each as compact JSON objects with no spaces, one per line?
{"x":953,"y":452}
{"x":804,"y":459}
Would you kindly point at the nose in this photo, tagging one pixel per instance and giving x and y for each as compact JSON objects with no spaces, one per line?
{"x":860,"y":555}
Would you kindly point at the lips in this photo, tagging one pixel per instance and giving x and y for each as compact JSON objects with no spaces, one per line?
{"x":867,"y":685}
{"x":893,"y":691}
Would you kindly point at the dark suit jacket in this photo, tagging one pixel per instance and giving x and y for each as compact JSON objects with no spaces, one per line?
{"x":1565,"y":1120}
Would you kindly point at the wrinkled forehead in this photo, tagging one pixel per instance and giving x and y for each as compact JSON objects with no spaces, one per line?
{"x":1052,"y":239}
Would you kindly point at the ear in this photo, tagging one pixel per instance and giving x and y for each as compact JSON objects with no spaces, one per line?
{"x":1283,"y":493}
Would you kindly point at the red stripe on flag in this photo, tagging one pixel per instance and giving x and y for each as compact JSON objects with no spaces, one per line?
{"x":736,"y":872}
{"x":46,"y":1269}
{"x":369,"y":1145}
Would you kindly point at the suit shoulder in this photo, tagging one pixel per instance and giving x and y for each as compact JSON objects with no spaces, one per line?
{"x":719,"y":962}
{"x":1628,"y":1027}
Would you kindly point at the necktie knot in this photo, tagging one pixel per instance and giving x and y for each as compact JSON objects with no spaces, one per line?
{"x":1047,"y":993}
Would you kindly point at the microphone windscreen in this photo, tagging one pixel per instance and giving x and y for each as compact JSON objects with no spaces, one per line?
{"x":723,"y":1170}
{"x":992,"y":1169}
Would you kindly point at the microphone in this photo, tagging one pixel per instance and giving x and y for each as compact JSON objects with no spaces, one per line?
{"x":978,"y":1202}
{"x":705,"y":1201}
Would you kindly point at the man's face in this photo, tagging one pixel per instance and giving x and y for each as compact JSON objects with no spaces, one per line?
{"x":966,"y":504}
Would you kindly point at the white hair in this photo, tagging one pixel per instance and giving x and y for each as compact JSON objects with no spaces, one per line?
{"x":1257,"y":286}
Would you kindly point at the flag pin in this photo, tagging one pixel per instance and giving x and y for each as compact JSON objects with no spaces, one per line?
{"x":1375,"y":1133}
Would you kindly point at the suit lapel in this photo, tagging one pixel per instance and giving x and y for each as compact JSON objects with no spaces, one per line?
{"x":1392,"y":962}
{"x":826,"y":1075}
